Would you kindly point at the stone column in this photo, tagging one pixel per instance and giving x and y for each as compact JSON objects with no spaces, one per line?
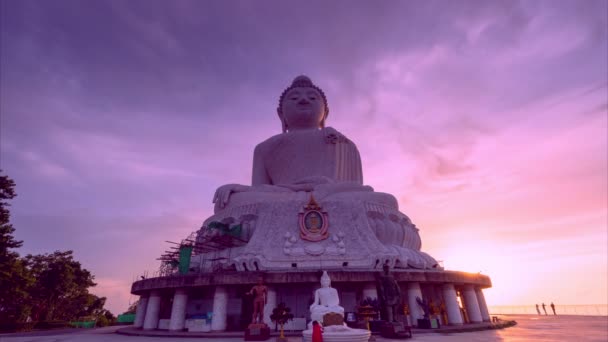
{"x":152,"y":311}
{"x":370,"y":290}
{"x":483,"y":307}
{"x":140,"y":314}
{"x":220,"y":306}
{"x":470,"y":302}
{"x":451,"y":305}
{"x":178,"y":310}
{"x":271,"y":304}
{"x":416,"y":312}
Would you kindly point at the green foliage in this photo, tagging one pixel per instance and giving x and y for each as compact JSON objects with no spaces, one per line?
{"x":105,"y":318}
{"x":61,"y":287}
{"x":45,"y":325}
{"x":14,"y":278}
{"x":132,"y":308}
{"x":281,"y":314}
{"x":41,"y":288}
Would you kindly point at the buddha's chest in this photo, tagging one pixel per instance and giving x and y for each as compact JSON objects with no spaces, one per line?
{"x":300,"y":155}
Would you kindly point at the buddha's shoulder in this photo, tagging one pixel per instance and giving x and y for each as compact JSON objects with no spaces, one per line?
{"x":282,"y":138}
{"x":328,"y":135}
{"x":270,"y":143}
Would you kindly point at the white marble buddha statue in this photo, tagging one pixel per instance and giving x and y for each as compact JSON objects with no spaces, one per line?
{"x":309,"y":160}
{"x":326,"y":300}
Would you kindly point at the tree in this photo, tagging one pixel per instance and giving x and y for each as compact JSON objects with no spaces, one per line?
{"x":61,"y":283}
{"x":14,"y":278}
{"x":280,"y":315}
{"x":132,"y":308}
{"x":41,"y":287}
{"x":105,"y":318}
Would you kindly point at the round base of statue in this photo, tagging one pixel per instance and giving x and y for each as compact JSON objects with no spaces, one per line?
{"x":335,"y":333}
{"x":257,"y":332}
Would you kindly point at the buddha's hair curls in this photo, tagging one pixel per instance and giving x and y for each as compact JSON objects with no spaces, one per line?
{"x":304,"y":82}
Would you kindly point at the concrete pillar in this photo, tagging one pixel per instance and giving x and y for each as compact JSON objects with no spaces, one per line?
{"x":471,"y":304}
{"x":483,"y":307}
{"x":451,"y":305}
{"x":413,"y":292}
{"x":271,"y":304}
{"x":152,"y":311}
{"x":178,"y":310}
{"x":220,"y":305}
{"x":370,"y":290}
{"x":140,"y":313}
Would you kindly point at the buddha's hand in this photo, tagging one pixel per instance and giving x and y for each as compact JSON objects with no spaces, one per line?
{"x":222,"y":194}
{"x":308,"y":183}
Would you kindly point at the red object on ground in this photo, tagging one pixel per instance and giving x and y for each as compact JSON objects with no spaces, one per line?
{"x":317,"y":333}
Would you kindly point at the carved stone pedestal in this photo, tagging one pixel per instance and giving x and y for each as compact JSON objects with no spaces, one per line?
{"x":333,"y":318}
{"x":257,"y":332}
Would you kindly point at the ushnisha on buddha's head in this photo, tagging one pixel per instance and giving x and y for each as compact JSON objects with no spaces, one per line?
{"x":325,"y":280}
{"x":302,"y":106}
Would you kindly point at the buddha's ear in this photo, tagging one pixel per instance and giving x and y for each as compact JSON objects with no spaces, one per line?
{"x":283,"y":123}
{"x":324,"y":118}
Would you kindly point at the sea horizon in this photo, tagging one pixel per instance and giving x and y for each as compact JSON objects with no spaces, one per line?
{"x":563,"y":310}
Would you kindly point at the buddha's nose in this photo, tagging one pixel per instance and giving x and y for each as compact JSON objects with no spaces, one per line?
{"x":303,"y":101}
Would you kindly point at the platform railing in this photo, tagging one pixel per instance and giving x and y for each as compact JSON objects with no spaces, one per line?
{"x":580,"y":310}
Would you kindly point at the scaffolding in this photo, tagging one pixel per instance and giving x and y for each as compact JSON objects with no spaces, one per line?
{"x":212,"y":246}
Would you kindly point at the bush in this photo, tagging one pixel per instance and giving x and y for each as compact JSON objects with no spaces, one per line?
{"x":102,"y":321}
{"x":44,"y":325}
{"x":16,"y":326}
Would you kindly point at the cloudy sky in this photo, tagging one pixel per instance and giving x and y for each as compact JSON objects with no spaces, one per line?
{"x":486,"y":119}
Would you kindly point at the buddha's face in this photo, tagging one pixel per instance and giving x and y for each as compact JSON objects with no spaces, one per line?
{"x":325,"y":282}
{"x":302,"y":108}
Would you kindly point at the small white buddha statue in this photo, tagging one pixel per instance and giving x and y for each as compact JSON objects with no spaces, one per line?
{"x":326,"y":300}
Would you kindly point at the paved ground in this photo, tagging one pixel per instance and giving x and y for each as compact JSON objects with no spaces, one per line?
{"x":529,"y":328}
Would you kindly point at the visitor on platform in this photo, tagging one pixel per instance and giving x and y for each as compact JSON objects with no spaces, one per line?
{"x":553,"y":308}
{"x":545,"y":309}
{"x":537,"y":309}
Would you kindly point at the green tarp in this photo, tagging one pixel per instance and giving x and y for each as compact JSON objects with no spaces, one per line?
{"x":126,"y":318}
{"x":185,"y":252}
{"x":85,"y":324}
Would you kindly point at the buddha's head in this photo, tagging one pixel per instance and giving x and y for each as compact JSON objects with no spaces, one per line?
{"x":325,"y":281}
{"x":302,"y":105}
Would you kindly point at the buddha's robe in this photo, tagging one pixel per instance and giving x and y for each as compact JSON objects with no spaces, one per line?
{"x":307,"y":157}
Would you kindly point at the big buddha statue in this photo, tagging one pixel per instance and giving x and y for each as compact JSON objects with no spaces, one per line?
{"x":307,"y":205}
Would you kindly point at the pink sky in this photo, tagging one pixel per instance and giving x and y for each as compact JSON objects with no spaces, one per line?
{"x":487,"y":120}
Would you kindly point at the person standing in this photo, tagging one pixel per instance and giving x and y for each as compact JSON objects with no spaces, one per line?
{"x":537,"y":309}
{"x":545,"y":309}
{"x":317,"y":332}
{"x":553,"y":308}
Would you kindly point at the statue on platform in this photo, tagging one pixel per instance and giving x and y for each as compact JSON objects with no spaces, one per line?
{"x":326,"y":300}
{"x":389,"y":293}
{"x":260,"y":292}
{"x":309,"y":160}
